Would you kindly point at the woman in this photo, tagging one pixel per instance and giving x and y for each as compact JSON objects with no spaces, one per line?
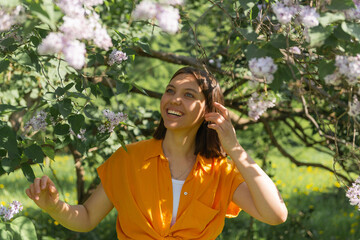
{"x":178,"y":185}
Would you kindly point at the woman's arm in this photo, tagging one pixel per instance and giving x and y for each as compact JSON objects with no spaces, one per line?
{"x":80,"y":218}
{"x":258,"y":195}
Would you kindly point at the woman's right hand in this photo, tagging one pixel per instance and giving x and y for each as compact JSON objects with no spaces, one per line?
{"x":44,"y":193}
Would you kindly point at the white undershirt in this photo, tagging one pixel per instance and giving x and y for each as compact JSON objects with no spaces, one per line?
{"x":177,"y":186}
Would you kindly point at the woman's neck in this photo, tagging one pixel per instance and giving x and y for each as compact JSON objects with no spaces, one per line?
{"x":180,"y":145}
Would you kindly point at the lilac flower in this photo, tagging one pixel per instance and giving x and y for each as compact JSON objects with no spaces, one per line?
{"x":354,"y":107}
{"x":354,"y":13}
{"x":349,"y":67}
{"x":53,"y":43}
{"x":8,"y":213}
{"x":37,"y":122}
{"x":353,"y":193}
{"x":172,"y":2}
{"x":283,"y":13}
{"x":80,"y":135}
{"x":79,"y":24}
{"x":116,"y":57}
{"x":10,"y":17}
{"x":166,"y":15}
{"x":263,"y":68}
{"x":74,"y":52}
{"x":259,"y":104}
{"x":309,"y":17}
{"x":333,"y":79}
{"x":72,"y":8}
{"x":112,"y":121}
{"x":168,"y":18}
{"x":146,"y":9}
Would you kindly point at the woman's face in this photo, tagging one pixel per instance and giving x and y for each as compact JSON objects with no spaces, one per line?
{"x":183,"y":105}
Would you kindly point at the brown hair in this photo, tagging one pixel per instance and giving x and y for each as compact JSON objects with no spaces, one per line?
{"x":207,"y":142}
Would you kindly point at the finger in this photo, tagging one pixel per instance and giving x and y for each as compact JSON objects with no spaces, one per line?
{"x":28,"y":193}
{"x":214,"y":127}
{"x":215,"y":118}
{"x":44,"y":181}
{"x":37,"y":185}
{"x":32,"y":191}
{"x":222,"y":109}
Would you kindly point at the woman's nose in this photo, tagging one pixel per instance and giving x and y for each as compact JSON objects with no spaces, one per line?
{"x":176,"y":100}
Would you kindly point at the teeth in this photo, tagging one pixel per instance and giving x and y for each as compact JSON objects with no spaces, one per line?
{"x":174,"y":112}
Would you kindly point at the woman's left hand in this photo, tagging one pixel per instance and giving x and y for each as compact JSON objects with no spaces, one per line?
{"x":221,"y":123}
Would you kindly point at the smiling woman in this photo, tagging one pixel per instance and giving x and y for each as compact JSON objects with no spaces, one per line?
{"x":180,"y":184}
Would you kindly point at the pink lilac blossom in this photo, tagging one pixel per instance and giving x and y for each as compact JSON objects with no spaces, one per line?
{"x":8,"y":213}
{"x":113,"y":119}
{"x":53,"y":43}
{"x":79,"y":24}
{"x":354,"y":13}
{"x":333,"y":79}
{"x":168,"y":18}
{"x":172,"y":2}
{"x":349,"y":67}
{"x":166,"y":15}
{"x":80,"y":135}
{"x":37,"y":122}
{"x":116,"y":56}
{"x":309,"y":16}
{"x":263,"y":67}
{"x":9,"y":18}
{"x":354,"y":107}
{"x":353,"y":193}
{"x":259,"y":104}
{"x":74,"y":53}
{"x":283,"y":12}
{"x":295,"y":50}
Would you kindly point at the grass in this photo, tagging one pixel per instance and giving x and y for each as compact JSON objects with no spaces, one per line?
{"x":318,"y":208}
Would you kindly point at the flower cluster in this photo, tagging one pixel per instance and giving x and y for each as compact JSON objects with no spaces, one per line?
{"x":7,"y":213}
{"x":10,"y":17}
{"x":347,"y":68}
{"x":353,"y":193}
{"x":354,"y":107}
{"x":79,"y":23}
{"x":116,"y":56}
{"x":166,"y":15}
{"x":259,"y":104}
{"x":263,"y":68}
{"x":286,"y":10}
{"x":113,"y":119}
{"x":353,"y":13}
{"x":80,"y":136}
{"x":37,"y":122}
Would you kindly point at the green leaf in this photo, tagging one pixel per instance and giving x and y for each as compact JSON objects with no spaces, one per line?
{"x":352,"y":29}
{"x":325,"y":68}
{"x":248,"y":33}
{"x":61,"y":129}
{"x":341,"y":4}
{"x":91,"y":112}
{"x":49,"y":151}
{"x":8,"y":141}
{"x":252,"y":51}
{"x":144,"y":46}
{"x":24,"y":227}
{"x":139,"y":88}
{"x":59,"y":91}
{"x":4,"y":233}
{"x":319,"y":34}
{"x":122,"y":36}
{"x":76,"y":122}
{"x":9,"y":165}
{"x":35,"y":153}
{"x":37,"y":10}
{"x":283,"y":75}
{"x":329,"y":17}
{"x":122,"y":87}
{"x":247,"y":5}
{"x":28,"y":172}
{"x":4,"y":64}
{"x":65,"y":107}
{"x":8,"y":108}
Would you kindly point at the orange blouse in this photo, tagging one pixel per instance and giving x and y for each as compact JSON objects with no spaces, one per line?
{"x":138,"y":183}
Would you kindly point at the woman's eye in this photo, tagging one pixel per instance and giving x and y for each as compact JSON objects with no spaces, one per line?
{"x":189,"y":95}
{"x":169,"y":90}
